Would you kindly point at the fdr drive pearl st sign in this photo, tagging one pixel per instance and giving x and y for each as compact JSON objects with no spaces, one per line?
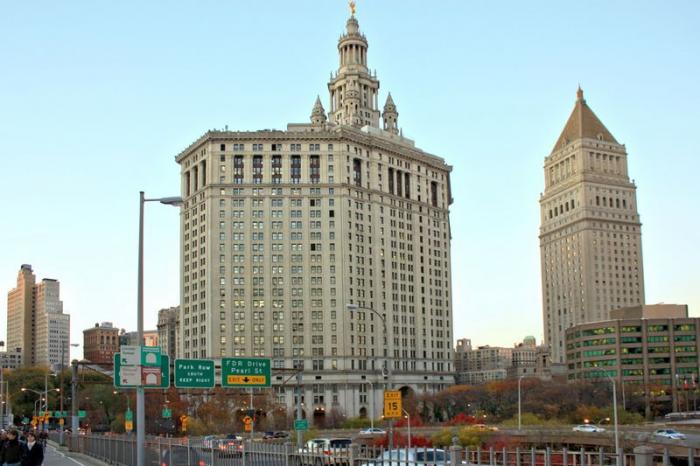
{"x":245,"y":372}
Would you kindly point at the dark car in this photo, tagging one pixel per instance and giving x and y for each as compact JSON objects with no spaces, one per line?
{"x":281,"y":434}
{"x":180,"y":456}
{"x":229,"y":448}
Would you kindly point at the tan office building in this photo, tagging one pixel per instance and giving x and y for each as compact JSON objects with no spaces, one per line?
{"x":590,"y":234}
{"x":36,"y":324}
{"x":292,"y":240}
{"x":20,"y":315}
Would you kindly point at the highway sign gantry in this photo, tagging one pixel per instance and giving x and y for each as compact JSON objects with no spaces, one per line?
{"x":245,"y":372}
{"x":194,"y":373}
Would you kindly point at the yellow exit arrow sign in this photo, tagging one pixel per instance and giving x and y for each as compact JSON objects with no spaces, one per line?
{"x":246,"y":379}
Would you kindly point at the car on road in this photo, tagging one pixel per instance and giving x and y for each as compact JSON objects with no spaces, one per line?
{"x":209,"y":441}
{"x":275,"y":435}
{"x":228,"y":448}
{"x":588,"y":428}
{"x":183,"y":456}
{"x":372,"y":431}
{"x":484,"y":428}
{"x":671,"y":434}
{"x":324,"y":452}
{"x":411,"y":456}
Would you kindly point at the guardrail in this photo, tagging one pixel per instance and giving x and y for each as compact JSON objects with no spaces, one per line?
{"x":121,"y":450}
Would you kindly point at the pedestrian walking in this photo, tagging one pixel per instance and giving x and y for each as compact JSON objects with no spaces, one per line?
{"x":35,"y":451}
{"x":13,"y":452}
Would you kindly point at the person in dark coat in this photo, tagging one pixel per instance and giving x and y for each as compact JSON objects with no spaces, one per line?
{"x":35,"y":451}
{"x":13,"y":451}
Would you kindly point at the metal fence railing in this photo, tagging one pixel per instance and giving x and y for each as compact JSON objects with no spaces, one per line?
{"x":159,"y":451}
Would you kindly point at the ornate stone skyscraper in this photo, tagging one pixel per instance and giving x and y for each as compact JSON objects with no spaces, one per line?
{"x":590,"y":234}
{"x":326,"y":245}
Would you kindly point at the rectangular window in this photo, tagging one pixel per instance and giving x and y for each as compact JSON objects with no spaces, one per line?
{"x":357,"y":171}
{"x":315,"y":169}
{"x":238,"y":169}
{"x":276,"y":169}
{"x":296,"y":169}
{"x":257,"y":169}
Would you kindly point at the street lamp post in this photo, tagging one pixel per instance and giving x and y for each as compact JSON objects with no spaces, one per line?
{"x":605,"y":419}
{"x":386,"y":369}
{"x":140,"y":394}
{"x":520,"y":413}
{"x":60,"y":383}
{"x":2,"y":393}
{"x":617,"y":434}
{"x":371,"y":413}
{"x":408,"y":419}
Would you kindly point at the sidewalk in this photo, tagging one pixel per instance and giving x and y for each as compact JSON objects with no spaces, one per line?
{"x":72,"y":458}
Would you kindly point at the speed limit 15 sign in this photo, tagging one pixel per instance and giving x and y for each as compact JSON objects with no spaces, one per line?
{"x":392,"y":404}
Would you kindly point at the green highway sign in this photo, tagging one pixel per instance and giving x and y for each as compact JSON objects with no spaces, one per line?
{"x":167,"y":413}
{"x":59,"y":414}
{"x":150,"y":356}
{"x":194,"y":373}
{"x":129,"y":415}
{"x":301,"y":424}
{"x":245,"y":372}
{"x":124,"y":378}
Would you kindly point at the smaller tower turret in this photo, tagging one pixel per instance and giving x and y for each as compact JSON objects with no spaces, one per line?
{"x":390,"y":116}
{"x":318,"y":114}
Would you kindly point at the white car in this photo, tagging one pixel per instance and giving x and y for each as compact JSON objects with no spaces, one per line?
{"x":669,"y":434}
{"x":372,"y":431}
{"x":413,"y":457}
{"x":588,"y":428}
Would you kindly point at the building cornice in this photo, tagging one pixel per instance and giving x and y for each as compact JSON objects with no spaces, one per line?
{"x":332,"y":133}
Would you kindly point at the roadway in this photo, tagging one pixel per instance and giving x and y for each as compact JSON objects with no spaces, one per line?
{"x":53,"y":457}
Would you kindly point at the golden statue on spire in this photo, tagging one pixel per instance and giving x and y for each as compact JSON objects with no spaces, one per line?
{"x":352,"y":7}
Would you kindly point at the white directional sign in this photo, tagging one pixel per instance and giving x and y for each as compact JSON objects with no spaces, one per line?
{"x":130,"y":355}
{"x":130,"y":376}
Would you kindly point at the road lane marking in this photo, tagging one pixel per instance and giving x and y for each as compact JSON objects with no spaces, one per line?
{"x":66,"y":457}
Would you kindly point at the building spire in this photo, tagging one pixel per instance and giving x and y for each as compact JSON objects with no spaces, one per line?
{"x":353,"y":90}
{"x":318,"y":114}
{"x":583,"y":124}
{"x":390,"y":116}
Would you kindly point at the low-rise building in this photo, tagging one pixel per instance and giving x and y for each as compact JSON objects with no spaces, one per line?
{"x":649,"y":346}
{"x":488,"y":363}
{"x":530,"y":360}
{"x":150,"y":338}
{"x":481,"y":364}
{"x":11,"y":359}
{"x":100,"y":343}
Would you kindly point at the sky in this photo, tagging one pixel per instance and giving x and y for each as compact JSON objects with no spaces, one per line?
{"x":97,"y":98}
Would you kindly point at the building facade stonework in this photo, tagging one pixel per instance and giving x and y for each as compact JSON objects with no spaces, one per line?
{"x":168,"y":321}
{"x":590,"y":234}
{"x":296,"y":245}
